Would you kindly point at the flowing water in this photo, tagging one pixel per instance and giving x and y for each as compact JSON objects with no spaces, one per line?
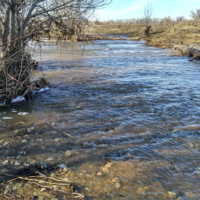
{"x":134,"y":112}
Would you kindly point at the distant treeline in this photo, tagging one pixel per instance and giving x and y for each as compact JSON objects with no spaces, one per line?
{"x":195,"y":15}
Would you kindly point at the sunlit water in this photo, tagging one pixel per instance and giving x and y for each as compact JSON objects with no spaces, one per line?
{"x":134,"y":112}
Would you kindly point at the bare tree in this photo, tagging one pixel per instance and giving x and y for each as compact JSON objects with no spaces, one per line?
{"x":148,"y":15}
{"x":22,"y":20}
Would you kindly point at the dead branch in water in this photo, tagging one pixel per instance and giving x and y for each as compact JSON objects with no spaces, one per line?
{"x":45,"y":185}
{"x":187,"y":51}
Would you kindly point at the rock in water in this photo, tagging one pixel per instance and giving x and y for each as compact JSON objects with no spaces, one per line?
{"x":41,"y":165}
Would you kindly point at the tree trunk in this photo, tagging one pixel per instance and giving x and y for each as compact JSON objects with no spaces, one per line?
{"x":187,"y":51}
{"x":6,"y":30}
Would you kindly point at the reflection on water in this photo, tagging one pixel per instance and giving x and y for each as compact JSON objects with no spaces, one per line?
{"x":134,"y":112}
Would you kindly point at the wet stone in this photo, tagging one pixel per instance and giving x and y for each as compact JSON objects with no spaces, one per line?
{"x":62,"y":166}
{"x":28,"y":130}
{"x":24,"y":141}
{"x":17,"y":163}
{"x":197,"y":172}
{"x":5,"y":162}
{"x":58,"y":139}
{"x":39,"y":140}
{"x":174,"y":167}
{"x":22,"y":152}
{"x":172,"y":195}
{"x":5,"y":143}
{"x":53,"y":132}
{"x":104,"y":139}
{"x":68,"y":153}
{"x":41,"y":165}
{"x":51,"y":158}
{"x":89,"y":145}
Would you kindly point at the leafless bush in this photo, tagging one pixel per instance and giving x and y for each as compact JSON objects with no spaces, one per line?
{"x":180,"y":18}
{"x":195,"y":14}
{"x":23,"y":20}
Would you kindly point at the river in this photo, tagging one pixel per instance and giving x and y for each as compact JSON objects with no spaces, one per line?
{"x":134,"y":112}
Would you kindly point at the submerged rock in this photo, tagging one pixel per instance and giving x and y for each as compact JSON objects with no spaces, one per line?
{"x":172,"y":195}
{"x":68,"y":153}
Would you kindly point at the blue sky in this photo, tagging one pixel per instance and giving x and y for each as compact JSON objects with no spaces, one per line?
{"x":126,"y":9}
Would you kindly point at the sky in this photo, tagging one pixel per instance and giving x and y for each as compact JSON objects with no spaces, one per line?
{"x":126,"y":9}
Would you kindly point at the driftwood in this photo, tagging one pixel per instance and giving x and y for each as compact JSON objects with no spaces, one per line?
{"x":187,"y":51}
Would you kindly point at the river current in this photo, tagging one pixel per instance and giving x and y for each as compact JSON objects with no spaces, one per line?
{"x":134,"y":112}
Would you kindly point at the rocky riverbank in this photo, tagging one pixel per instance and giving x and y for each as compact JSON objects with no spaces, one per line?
{"x":30,"y":166}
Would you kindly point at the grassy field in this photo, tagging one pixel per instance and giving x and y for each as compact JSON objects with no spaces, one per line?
{"x":185,"y":32}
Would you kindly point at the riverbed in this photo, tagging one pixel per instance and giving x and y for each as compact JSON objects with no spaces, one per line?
{"x":133,"y":112}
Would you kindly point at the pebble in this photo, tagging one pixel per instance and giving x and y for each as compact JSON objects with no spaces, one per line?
{"x":39,"y":140}
{"x":117,"y":185}
{"x":41,"y":165}
{"x":52,"y":123}
{"x":24,"y":141}
{"x":99,"y":174}
{"x":174,"y":167}
{"x":28,"y":130}
{"x":68,"y":153}
{"x":172,"y":195}
{"x":105,"y":169}
{"x":49,"y":159}
{"x":17,"y":163}
{"x":43,"y":189}
{"x":32,"y":161}
{"x":108,"y":165}
{"x":53,"y":132}
{"x":5,"y":162}
{"x":5,"y":143}
{"x":58,"y":139}
{"x":22,"y":152}
{"x":142,"y":190}
{"x":26,"y":165}
{"x":62,"y":166}
{"x":115,"y":180}
{"x":104,"y":138}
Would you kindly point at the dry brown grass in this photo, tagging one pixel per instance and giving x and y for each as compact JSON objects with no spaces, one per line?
{"x":161,"y":34}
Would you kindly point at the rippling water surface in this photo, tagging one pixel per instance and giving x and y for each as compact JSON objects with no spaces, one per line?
{"x":134,"y":112}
